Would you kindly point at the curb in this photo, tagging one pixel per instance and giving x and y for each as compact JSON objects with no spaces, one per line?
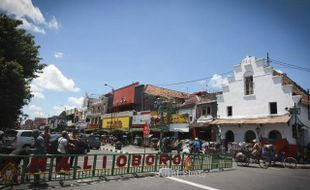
{"x":300,"y":166}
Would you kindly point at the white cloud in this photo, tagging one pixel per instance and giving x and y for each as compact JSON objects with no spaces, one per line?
{"x":39,"y":95}
{"x":279,"y":71}
{"x":38,"y":114}
{"x":53,"y":79}
{"x":34,"y":108}
{"x":53,"y":24}
{"x":31,"y":15}
{"x":76,"y":101}
{"x":217,"y":81}
{"x":59,"y":55}
{"x":59,"y":109}
{"x":29,"y":26}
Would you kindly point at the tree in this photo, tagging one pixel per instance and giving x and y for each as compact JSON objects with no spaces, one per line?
{"x":19,"y":64}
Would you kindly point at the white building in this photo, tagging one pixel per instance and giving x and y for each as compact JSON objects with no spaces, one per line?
{"x":256,"y":103}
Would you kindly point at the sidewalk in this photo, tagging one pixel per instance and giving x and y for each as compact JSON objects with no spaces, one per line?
{"x":128,"y":149}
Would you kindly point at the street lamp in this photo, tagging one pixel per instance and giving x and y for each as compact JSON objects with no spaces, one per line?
{"x":258,"y":130}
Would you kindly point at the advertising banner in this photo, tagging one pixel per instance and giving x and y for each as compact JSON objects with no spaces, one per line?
{"x":116,"y":123}
{"x":177,"y":118}
{"x":141,"y":119}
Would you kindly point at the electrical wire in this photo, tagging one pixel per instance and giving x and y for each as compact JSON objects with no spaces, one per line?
{"x":191,"y":81}
{"x":274,"y":61}
{"x":291,"y":66}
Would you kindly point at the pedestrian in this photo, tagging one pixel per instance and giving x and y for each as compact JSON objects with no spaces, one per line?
{"x":62,"y":160}
{"x":47,"y":137}
{"x":39,"y":161}
{"x":73,"y":145}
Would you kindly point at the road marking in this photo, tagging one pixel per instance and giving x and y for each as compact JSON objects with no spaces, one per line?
{"x":192,"y":184}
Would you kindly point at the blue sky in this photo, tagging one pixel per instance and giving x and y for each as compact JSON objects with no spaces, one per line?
{"x":89,"y":43}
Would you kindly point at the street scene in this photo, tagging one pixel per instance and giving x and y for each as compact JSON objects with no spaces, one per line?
{"x":154,"y":94}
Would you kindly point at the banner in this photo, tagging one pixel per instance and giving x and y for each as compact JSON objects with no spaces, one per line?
{"x":141,"y":119}
{"x":146,"y":130}
{"x":177,"y":118}
{"x":116,"y":123}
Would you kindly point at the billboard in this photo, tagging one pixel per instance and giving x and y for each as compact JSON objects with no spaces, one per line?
{"x":125,"y":95}
{"x":116,"y":123}
{"x":141,"y":119}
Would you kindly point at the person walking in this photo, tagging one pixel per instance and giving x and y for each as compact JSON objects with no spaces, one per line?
{"x":62,"y":161}
{"x":47,"y":137}
{"x":73,"y":145}
{"x":39,"y":161}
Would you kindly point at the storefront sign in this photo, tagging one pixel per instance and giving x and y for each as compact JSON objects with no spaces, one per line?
{"x":92,"y":126}
{"x":179,"y":127}
{"x":116,"y":123}
{"x":177,"y":118}
{"x":141,"y":119}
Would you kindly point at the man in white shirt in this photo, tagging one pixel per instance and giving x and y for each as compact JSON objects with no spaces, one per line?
{"x":62,"y":161}
{"x":63,"y":143}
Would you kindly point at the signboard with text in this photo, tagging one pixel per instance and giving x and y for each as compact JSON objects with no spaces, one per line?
{"x":116,"y":123}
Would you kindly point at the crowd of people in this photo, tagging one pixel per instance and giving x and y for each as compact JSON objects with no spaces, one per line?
{"x":67,"y":143}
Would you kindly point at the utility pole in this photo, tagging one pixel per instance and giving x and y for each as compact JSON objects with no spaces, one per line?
{"x":308,"y":104}
{"x":268,"y":60}
{"x":296,"y":111}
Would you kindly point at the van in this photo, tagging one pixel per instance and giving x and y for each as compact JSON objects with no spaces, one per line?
{"x":16,"y":140}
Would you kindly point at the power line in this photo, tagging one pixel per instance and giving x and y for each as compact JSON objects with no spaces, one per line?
{"x":291,"y":66}
{"x":191,"y":81}
{"x":274,"y":61}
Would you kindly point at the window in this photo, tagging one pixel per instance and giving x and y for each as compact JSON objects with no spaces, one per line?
{"x":249,"y":136}
{"x":249,"y":85}
{"x":275,"y":135}
{"x":208,"y":110}
{"x":203,"y":111}
{"x":229,"y":136}
{"x":229,"y":110}
{"x":273,"y":107}
{"x":26,"y":134}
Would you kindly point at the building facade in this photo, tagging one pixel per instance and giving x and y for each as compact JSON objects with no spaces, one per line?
{"x":256,"y":102}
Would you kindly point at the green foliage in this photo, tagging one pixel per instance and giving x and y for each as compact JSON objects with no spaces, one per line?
{"x":19,"y":63}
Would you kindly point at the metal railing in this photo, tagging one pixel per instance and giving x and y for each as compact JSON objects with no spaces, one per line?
{"x":34,"y":169}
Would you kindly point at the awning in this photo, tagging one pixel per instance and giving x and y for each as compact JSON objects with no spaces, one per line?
{"x":253,"y":121}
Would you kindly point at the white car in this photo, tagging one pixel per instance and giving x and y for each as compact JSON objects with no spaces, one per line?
{"x":16,"y":140}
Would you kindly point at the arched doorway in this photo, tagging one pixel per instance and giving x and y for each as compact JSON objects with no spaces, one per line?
{"x":229,"y":136}
{"x":275,"y":135}
{"x":249,"y":136}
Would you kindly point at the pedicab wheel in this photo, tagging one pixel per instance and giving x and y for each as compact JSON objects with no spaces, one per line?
{"x":290,"y":162}
{"x":245,"y":162}
{"x":264,"y":163}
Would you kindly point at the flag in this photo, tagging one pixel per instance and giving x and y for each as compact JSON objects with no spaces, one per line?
{"x":146,"y":130}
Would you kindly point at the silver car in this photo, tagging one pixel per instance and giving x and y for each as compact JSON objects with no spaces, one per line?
{"x":16,"y":140}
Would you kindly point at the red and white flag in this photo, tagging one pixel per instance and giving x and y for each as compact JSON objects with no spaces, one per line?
{"x":146,"y":130}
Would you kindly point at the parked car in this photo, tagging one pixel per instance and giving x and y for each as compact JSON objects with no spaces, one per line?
{"x":53,"y":143}
{"x":94,"y":141}
{"x":81,"y":146}
{"x":15,"y":140}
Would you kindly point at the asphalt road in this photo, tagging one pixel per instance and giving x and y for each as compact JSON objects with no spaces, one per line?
{"x":238,"y":178}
